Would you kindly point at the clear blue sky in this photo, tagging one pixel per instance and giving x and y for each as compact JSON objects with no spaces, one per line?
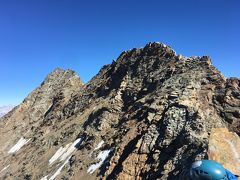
{"x":37,"y":36}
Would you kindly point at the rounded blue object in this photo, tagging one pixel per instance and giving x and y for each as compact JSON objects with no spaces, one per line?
{"x":208,"y":170}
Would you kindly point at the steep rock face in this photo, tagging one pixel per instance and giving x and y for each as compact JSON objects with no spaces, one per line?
{"x":25,"y":119}
{"x":148,"y":115}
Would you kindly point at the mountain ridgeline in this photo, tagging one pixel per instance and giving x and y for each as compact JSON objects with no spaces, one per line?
{"x":148,"y":115}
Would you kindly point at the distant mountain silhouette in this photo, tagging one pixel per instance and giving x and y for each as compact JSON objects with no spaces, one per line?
{"x":5,"y":109}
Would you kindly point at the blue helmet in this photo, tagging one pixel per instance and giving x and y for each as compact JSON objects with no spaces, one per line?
{"x":207,"y":170}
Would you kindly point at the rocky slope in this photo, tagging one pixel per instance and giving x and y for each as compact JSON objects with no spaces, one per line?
{"x":148,"y":115}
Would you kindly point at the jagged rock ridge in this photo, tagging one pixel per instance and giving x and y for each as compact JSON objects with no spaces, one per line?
{"x":148,"y":115}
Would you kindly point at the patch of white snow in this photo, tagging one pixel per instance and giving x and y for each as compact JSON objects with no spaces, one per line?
{"x":102,"y":156}
{"x":44,"y":178}
{"x":59,"y":153}
{"x":59,"y":170}
{"x":64,"y":152}
{"x":19,"y":145}
{"x":70,"y":150}
{"x":99,"y":145}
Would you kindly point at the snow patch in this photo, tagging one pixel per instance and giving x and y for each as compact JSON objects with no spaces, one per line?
{"x":64,"y":152}
{"x":71,"y":149}
{"x":44,"y":178}
{"x":59,"y":153}
{"x":59,"y":170}
{"x":4,"y":168}
{"x":99,"y":145}
{"x":19,"y":145}
{"x":102,"y":156}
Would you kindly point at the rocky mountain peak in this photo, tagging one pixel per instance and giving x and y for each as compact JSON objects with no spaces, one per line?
{"x":59,"y":75}
{"x":151,"y":49}
{"x":148,"y":115}
{"x":157,"y":48}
